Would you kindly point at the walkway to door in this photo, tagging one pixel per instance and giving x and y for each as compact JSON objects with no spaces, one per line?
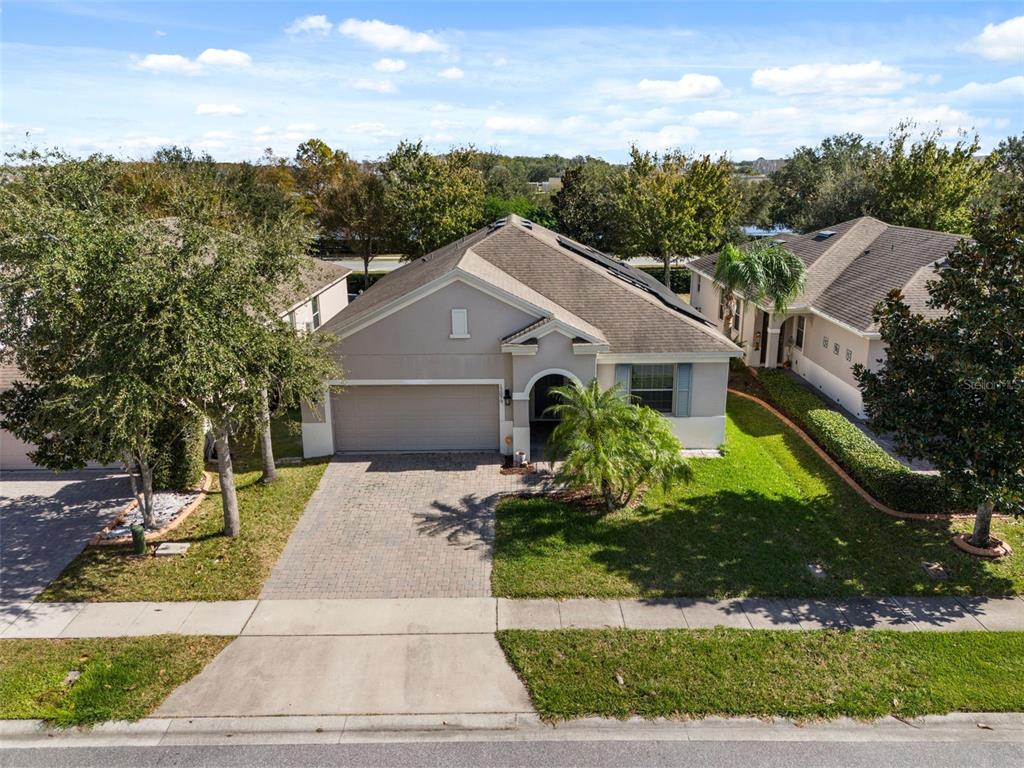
{"x":397,"y":525}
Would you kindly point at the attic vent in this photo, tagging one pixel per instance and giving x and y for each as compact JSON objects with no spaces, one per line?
{"x":527,"y":223}
{"x":499,"y":223}
{"x":824,"y":234}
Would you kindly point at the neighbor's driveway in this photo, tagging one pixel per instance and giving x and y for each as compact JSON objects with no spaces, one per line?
{"x":46,"y":519}
{"x":397,"y":525}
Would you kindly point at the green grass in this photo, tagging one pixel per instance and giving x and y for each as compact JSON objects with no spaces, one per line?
{"x":803,"y":675}
{"x":748,"y":524}
{"x":122,"y":678}
{"x":215,"y":567}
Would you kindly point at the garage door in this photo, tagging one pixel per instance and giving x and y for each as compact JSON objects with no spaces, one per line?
{"x":13,"y":452}
{"x":416,"y":418}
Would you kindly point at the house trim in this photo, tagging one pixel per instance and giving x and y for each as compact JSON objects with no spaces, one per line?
{"x":666,"y":357}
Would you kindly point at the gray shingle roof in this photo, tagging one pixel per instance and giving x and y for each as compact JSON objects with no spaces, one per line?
{"x":314,"y":276}
{"x":849,"y":273}
{"x":631,"y":319}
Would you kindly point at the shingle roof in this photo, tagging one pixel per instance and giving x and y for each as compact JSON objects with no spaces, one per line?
{"x":849,"y":273}
{"x":575,"y":289}
{"x":314,"y":276}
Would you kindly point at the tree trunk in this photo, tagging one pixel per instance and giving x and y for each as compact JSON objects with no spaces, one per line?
{"x":668,"y":271}
{"x":266,"y":444}
{"x":366,"y":271}
{"x":729,"y":299}
{"x":982,"y":524}
{"x":137,"y":494}
{"x":148,"y":517}
{"x":228,"y":498}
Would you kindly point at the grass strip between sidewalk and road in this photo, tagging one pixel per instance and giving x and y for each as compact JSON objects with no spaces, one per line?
{"x":749,"y":524}
{"x":215,"y":567}
{"x":802,"y":675}
{"x":122,"y":678}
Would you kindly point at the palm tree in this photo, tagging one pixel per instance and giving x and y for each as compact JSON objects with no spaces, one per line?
{"x":763,"y":272}
{"x":611,"y":447}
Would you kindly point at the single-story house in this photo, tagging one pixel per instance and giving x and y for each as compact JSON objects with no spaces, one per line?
{"x":320,"y":292}
{"x":851,"y":267}
{"x":458,"y":350}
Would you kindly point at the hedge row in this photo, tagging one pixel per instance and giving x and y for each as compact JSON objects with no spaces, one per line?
{"x":182,"y":464}
{"x":885,"y":478}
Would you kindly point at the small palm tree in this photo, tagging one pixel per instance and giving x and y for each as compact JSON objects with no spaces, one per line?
{"x":764,"y":271}
{"x":609,"y":446}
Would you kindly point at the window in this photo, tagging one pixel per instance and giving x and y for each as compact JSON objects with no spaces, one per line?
{"x":316,"y":311}
{"x":291,"y":319}
{"x":460,"y":324}
{"x":835,"y":348}
{"x":698,"y":283}
{"x":824,"y":341}
{"x":721,"y":306}
{"x":849,"y":355}
{"x":800,"y":332}
{"x":651,"y":385}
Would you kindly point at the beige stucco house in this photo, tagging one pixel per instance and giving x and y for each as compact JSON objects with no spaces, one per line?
{"x":458,"y":350}
{"x":851,"y":267}
{"x":319,"y":293}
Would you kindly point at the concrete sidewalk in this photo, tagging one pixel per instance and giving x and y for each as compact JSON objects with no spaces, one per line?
{"x":485,"y":615}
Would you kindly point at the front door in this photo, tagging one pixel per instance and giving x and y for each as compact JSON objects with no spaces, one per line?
{"x":544,"y":398}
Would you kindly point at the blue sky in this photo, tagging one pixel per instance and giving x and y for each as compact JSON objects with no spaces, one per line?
{"x":749,"y":79}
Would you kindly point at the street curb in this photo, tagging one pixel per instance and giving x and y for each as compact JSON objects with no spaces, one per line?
{"x":338,"y":729}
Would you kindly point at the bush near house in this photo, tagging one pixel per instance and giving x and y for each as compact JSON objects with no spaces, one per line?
{"x":182,"y":464}
{"x":885,"y":478}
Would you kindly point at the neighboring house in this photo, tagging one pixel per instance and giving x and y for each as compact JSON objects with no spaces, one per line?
{"x":549,"y":187}
{"x":320,"y":293}
{"x":851,"y":267}
{"x":458,"y":350}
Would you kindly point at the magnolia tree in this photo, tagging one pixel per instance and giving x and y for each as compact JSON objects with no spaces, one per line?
{"x":952,"y":387}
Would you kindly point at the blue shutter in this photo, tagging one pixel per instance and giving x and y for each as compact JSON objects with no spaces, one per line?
{"x":682,"y":389}
{"x":622,"y":374}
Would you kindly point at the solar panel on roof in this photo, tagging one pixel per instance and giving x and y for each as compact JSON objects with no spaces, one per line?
{"x":633,"y":276}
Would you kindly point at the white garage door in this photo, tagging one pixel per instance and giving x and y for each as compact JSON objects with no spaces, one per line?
{"x":13,"y":452}
{"x":457,"y":417}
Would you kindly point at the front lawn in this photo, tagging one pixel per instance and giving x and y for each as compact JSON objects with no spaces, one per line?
{"x":803,"y":675}
{"x":122,"y":678}
{"x":215,"y":567}
{"x":748,"y":524}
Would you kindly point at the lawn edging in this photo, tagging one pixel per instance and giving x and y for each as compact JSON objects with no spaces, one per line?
{"x":842,"y":473}
{"x":205,"y":484}
{"x":888,"y":480}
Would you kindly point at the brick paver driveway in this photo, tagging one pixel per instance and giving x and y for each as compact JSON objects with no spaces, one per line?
{"x":397,"y":525}
{"x":46,"y":519}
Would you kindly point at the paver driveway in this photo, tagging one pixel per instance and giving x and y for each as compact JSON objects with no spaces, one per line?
{"x":46,"y":519}
{"x":396,"y":525}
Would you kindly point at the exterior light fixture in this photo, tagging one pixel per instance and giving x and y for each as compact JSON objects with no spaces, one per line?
{"x":508,"y":397}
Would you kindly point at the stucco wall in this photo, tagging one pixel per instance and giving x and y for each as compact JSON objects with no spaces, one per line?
{"x":414,"y":342}
{"x":828,"y":372}
{"x":332,"y":301}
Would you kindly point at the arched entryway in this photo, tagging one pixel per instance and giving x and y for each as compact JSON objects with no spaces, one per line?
{"x":542,"y":422}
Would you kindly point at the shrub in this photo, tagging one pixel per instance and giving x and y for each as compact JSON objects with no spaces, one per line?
{"x":885,"y":478}
{"x":182,"y":464}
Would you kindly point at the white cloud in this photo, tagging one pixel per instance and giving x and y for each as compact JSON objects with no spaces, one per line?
{"x":220,"y":110}
{"x":715,"y":117}
{"x":452,"y":73}
{"x":1010,"y":88}
{"x":1000,"y":42}
{"x":668,"y":137}
{"x":302,"y":127}
{"x":870,"y":77}
{"x":159,"y":33}
{"x":500,"y":61}
{"x":176,"y":63}
{"x":516,"y":124}
{"x":224,"y":57}
{"x":689,"y":86}
{"x":262,"y":130}
{"x":391,"y":37}
{"x":372,"y":129}
{"x":442,"y":108}
{"x":310,"y":25}
{"x":219,"y":135}
{"x":380,"y":86}
{"x":389,"y":65}
{"x":168,"y":62}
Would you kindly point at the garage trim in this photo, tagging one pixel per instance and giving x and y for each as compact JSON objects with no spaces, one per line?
{"x":498,"y":383}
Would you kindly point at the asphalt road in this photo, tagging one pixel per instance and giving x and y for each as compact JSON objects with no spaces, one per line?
{"x":601,"y":754}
